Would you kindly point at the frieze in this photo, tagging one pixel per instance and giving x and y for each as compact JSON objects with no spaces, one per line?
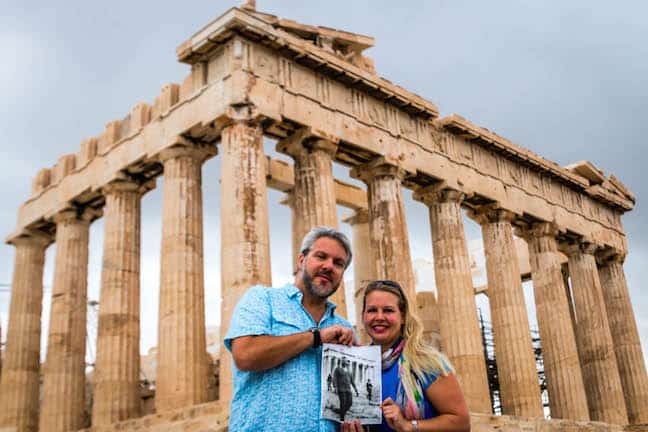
{"x":323,"y":90}
{"x":359,"y":105}
{"x":518,"y":180}
{"x":285,"y":73}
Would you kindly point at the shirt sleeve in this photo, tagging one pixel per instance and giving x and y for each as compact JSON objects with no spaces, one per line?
{"x":428,"y":379}
{"x":251,"y":316}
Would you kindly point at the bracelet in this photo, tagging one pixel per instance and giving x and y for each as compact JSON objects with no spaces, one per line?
{"x":414,"y":426}
{"x":317,"y":339}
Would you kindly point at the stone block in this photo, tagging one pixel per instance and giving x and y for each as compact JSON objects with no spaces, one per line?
{"x":169,"y":96}
{"x":109,"y":137}
{"x":41,"y":180}
{"x":63,"y":167}
{"x":140,"y":116}
{"x":88,"y":151}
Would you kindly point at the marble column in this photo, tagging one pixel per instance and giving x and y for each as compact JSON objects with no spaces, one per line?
{"x":63,"y":392}
{"x":363,"y":265}
{"x":245,"y":241}
{"x":428,"y":312}
{"x":459,"y":325}
{"x":594,"y":340}
{"x":19,"y":386}
{"x":625,"y":338}
{"x":518,"y":379}
{"x":117,"y":372}
{"x":387,"y":222}
{"x":313,"y":196}
{"x":567,"y":398}
{"x":181,"y":362}
{"x":295,"y":229}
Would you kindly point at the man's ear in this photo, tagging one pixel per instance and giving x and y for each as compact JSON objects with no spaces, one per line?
{"x":300,"y":261}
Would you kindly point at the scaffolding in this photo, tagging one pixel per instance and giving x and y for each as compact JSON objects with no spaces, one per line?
{"x":491,"y":365}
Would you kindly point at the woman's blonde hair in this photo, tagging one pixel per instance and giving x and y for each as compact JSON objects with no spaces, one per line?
{"x":422,"y":358}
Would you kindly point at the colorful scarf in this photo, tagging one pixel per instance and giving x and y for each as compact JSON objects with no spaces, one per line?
{"x":409,"y":394}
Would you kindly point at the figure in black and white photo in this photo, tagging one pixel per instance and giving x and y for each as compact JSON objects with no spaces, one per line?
{"x":343,"y":381}
{"x":350,"y":384}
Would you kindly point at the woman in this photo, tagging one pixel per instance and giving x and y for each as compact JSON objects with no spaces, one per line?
{"x":419,"y":389}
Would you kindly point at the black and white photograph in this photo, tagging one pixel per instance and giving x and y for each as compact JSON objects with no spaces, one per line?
{"x":351,"y":383}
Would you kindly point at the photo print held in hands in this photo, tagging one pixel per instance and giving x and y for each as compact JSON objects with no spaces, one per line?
{"x":351,"y":383}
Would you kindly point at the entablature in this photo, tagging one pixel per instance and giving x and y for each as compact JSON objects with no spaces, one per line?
{"x":247,"y":24}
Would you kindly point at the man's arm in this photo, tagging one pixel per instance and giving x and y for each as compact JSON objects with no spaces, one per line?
{"x":259,"y":353}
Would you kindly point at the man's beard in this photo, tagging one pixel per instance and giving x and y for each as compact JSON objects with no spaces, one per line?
{"x":315,"y":290}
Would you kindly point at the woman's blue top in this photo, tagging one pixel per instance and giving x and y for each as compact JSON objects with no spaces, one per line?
{"x":390,"y":384}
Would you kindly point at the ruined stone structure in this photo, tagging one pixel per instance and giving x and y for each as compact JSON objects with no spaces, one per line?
{"x":312,"y":90}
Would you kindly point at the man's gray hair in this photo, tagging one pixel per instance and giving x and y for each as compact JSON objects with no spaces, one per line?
{"x":324,"y":231}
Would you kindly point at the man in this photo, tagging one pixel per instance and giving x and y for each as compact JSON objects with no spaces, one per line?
{"x":275,"y":337}
{"x":343,"y":382}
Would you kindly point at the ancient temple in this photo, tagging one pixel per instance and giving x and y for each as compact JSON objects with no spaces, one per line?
{"x":254,"y":75}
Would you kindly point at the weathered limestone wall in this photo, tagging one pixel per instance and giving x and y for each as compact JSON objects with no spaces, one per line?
{"x":207,"y":417}
{"x":211,"y":417}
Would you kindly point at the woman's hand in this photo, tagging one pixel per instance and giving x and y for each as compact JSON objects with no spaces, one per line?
{"x":355,"y":426}
{"x":394,"y":416}
{"x":337,"y":334}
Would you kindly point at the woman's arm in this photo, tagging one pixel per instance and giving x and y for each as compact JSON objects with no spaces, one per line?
{"x":446,"y":397}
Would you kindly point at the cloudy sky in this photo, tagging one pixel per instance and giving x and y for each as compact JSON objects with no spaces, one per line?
{"x":564,"y":79}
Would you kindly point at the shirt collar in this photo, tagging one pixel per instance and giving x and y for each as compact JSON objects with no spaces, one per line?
{"x":295,"y":293}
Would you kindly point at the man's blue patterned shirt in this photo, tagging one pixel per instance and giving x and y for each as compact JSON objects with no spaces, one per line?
{"x":287,"y":397}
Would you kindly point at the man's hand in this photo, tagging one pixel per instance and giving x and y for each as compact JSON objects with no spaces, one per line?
{"x":394,"y":416}
{"x":337,"y":334}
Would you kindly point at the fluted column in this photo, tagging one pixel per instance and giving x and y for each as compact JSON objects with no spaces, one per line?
{"x":363,"y":265}
{"x":295,"y":229}
{"x":562,"y":369}
{"x":625,"y":338}
{"x":518,"y":379}
{"x":245,"y":241}
{"x":313,"y":196}
{"x":19,"y":386}
{"x":387,"y":222}
{"x":116,"y":391}
{"x":181,"y":362}
{"x":428,"y":312}
{"x":63,"y":395}
{"x":594,"y":340}
{"x":459,"y":325}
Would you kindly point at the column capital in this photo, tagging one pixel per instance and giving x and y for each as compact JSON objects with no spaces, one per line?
{"x":81,"y":214}
{"x":438,"y":193}
{"x":490,"y":213}
{"x":609,"y":255}
{"x":538,"y":229}
{"x":31,"y":236}
{"x":125,"y":183}
{"x":583,"y":245}
{"x":384,"y":166}
{"x":359,"y":216}
{"x":308,"y":139}
{"x":239,"y":113}
{"x":185,"y":148}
